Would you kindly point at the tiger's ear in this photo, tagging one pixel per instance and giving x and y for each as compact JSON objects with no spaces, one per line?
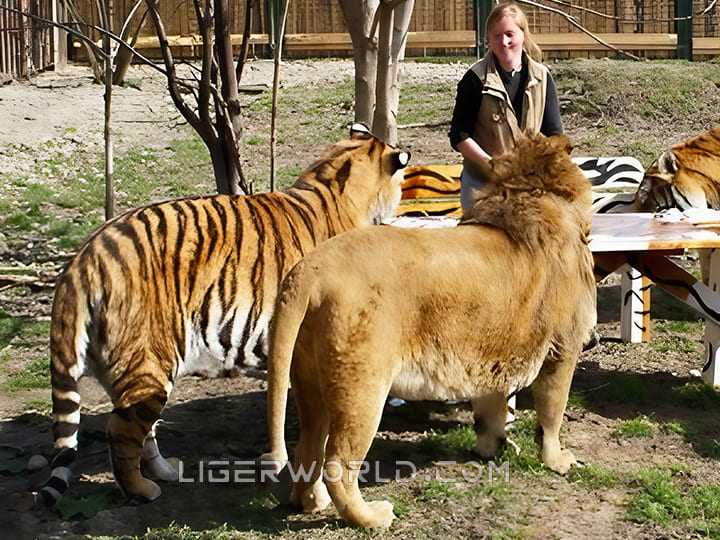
{"x":401,"y":159}
{"x":360,"y":131}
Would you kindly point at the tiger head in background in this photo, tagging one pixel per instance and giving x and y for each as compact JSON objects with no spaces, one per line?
{"x":189,"y":286}
{"x":685,"y":176}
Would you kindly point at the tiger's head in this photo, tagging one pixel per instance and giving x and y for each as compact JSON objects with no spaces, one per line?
{"x":362,"y":172}
{"x":685,"y":176}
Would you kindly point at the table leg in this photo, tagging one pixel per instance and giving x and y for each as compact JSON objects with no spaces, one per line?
{"x":635,"y":307}
{"x":711,"y":369}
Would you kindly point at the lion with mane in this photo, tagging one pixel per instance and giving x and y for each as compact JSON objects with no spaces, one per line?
{"x":475,"y":312}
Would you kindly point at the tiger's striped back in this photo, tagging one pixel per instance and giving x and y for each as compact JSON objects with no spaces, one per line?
{"x":188,"y":286}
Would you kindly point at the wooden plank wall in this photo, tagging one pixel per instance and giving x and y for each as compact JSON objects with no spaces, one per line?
{"x":26,"y":46}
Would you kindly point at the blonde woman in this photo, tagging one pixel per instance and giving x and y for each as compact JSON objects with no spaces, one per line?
{"x":501,"y":95}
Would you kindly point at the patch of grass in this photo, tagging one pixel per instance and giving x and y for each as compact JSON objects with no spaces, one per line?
{"x":696,"y":395}
{"x":457,"y":441}
{"x":640,"y":426}
{"x":625,"y":389}
{"x":681,"y":344}
{"x":665,"y":502}
{"x":21,"y":331}
{"x":422,"y":104}
{"x":35,"y":375}
{"x":673,"y":426}
{"x":437,"y":490}
{"x":286,"y":176}
{"x":9,"y":327}
{"x":41,"y":405}
{"x":579,"y":399}
{"x":660,"y":500}
{"x":681,"y":327}
{"x":400,"y":505}
{"x":522,"y":432}
{"x":594,"y":477}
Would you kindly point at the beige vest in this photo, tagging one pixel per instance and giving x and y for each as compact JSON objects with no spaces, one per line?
{"x":496,"y":127}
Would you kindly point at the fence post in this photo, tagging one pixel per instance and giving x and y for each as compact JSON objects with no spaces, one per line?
{"x":482,"y":10}
{"x":683,"y":8}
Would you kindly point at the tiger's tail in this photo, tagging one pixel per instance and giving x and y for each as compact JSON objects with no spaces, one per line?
{"x":290,"y":309}
{"x":68,"y":347}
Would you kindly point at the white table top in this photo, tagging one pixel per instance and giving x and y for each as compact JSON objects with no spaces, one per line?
{"x":645,"y":232}
{"x":625,"y":232}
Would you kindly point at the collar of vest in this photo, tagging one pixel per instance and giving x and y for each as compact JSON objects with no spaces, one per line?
{"x":486,"y":70}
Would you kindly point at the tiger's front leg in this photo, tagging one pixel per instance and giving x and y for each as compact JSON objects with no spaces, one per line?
{"x":128,"y":429}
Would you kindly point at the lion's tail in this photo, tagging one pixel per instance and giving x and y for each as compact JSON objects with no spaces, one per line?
{"x":290,"y":309}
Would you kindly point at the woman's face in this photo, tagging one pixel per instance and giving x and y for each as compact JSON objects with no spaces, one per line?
{"x":506,"y":41}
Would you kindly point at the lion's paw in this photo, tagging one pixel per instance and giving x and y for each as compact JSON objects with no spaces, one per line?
{"x":561,"y":461}
{"x":383,"y":515}
{"x":315,"y":499}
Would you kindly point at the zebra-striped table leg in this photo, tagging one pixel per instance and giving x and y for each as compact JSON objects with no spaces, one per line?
{"x":635,"y":307}
{"x":711,"y":369}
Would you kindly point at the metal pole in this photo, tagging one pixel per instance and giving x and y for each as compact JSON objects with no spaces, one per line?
{"x":482,"y":10}
{"x":683,"y":8}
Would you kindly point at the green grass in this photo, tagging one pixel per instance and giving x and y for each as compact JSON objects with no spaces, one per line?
{"x":664,"y":501}
{"x":640,"y":426}
{"x":522,"y":432}
{"x":36,"y":374}
{"x":594,"y":477}
{"x":63,"y":197}
{"x":21,"y":331}
{"x":456,"y":442}
{"x":420,"y":104}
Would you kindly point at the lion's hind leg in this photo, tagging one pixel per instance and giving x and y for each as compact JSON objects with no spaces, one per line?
{"x":550,"y":393}
{"x":309,"y":491}
{"x":490,"y":417}
{"x":353,"y":423}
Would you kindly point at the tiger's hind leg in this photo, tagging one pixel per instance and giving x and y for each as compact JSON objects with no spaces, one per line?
{"x":128,"y":429}
{"x":153,"y":462}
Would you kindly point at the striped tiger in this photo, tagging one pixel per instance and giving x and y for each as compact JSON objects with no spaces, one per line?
{"x":685,"y":176}
{"x":189,"y":285}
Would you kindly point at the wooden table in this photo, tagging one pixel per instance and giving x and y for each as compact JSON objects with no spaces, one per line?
{"x":645,"y":242}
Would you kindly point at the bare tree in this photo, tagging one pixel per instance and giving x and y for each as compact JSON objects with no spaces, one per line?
{"x":215,"y":113}
{"x":378,"y":30}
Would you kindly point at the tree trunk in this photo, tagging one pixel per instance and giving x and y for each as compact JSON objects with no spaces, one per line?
{"x":360,"y":17}
{"x":379,"y":34}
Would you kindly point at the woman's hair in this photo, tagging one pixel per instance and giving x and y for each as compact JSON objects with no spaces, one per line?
{"x":512,"y":10}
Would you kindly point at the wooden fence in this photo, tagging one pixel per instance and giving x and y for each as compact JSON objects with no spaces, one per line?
{"x":438,"y":27}
{"x":26,"y":46}
{"x":644,"y":27}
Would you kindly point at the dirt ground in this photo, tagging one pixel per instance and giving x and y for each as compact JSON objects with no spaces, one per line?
{"x":223,"y":419}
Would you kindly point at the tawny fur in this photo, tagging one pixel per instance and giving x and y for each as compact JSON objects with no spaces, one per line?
{"x":502,"y":301}
{"x":189,"y":285}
